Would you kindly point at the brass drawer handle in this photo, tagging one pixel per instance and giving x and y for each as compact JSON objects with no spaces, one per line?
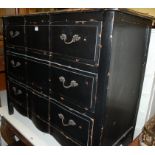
{"x":14,"y":34}
{"x":16,"y":92}
{"x":73,"y":83}
{"x":15,"y":65}
{"x":75,"y":38}
{"x":70,"y":121}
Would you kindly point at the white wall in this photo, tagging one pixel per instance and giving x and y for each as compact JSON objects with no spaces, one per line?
{"x":3,"y":100}
{"x":147,"y":101}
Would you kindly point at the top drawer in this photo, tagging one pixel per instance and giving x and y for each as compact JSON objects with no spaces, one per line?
{"x":78,"y":41}
{"x":42,"y":19}
{"x":15,"y":20}
{"x":37,"y":32}
{"x":14,"y":35}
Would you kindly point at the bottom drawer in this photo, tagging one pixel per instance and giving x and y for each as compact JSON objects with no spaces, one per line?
{"x":18,"y":107}
{"x":75,"y":126}
{"x":17,"y":93}
{"x":40,"y":124}
{"x":38,"y":106}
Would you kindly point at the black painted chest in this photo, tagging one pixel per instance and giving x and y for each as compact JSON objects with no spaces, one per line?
{"x":77,"y":75}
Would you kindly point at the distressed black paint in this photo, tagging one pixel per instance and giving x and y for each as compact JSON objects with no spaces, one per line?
{"x":105,"y":61}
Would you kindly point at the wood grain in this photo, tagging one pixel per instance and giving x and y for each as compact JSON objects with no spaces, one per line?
{"x":9,"y":132}
{"x":2,"y":81}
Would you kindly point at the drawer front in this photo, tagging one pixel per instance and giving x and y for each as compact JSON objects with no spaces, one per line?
{"x":15,"y":35}
{"x":16,"y":20}
{"x":16,"y":67}
{"x":70,"y":86}
{"x":40,"y":124}
{"x":20,"y":109}
{"x":17,"y":106}
{"x":74,"y":126}
{"x":18,"y":94}
{"x":40,"y":19}
{"x":37,"y":37}
{"x":37,"y":76}
{"x":77,"y":42}
{"x":38,"y":106}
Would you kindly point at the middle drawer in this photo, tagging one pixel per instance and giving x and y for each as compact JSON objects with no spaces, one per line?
{"x":37,"y":76}
{"x":16,"y":67}
{"x":73,"y":87}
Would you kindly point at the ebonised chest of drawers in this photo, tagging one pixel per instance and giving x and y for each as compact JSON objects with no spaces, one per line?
{"x":77,"y":75}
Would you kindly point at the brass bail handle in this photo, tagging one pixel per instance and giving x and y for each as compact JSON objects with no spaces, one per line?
{"x":70,"y":121}
{"x":14,"y":34}
{"x":16,"y":92}
{"x":73,"y":83}
{"x":74,"y":39}
{"x":15,"y":65}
